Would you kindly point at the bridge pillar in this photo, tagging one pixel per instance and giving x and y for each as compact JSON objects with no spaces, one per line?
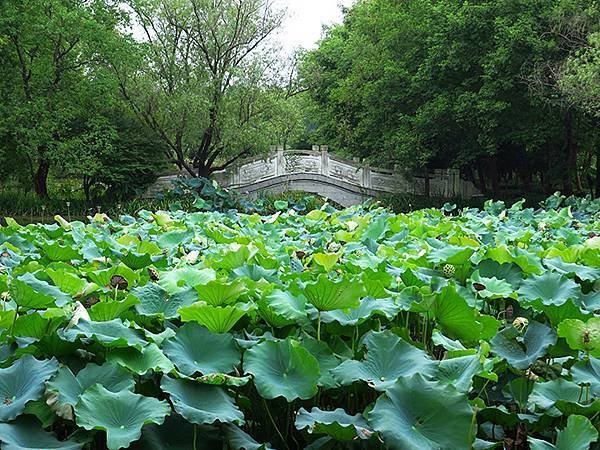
{"x":280,"y":161}
{"x":324,"y":160}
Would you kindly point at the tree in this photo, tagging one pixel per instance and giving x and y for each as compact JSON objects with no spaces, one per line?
{"x":204,"y":79}
{"x":48,"y":48}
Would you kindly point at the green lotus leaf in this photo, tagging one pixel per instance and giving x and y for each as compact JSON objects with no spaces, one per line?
{"x":282,"y":369}
{"x":457,"y":319}
{"x":325,"y":357}
{"x":564,"y":268}
{"x":368,"y":307}
{"x":35,"y":325}
{"x":26,"y":433}
{"x":579,"y":434}
{"x":138,"y":260}
{"x":388,"y":358}
{"x":582,"y":335}
{"x":176,"y":433}
{"x":235,"y":256}
{"x":557,"y":314}
{"x":141,"y":362}
{"x":103,"y":277}
{"x":327,"y":295}
{"x":7,"y":318}
{"x":22,"y":382}
{"x":67,"y":279}
{"x":454,"y":348}
{"x":69,"y":387}
{"x":111,"y":334}
{"x":550,"y":288}
{"x":287,"y":305}
{"x":31,"y":293}
{"x":562,"y":395}
{"x":444,"y":253}
{"x":200,"y":403}
{"x":219,"y":293}
{"x":326,"y":260}
{"x":527,"y":262}
{"x":337,"y":423}
{"x":459,"y":372}
{"x":172,"y":239}
{"x":110,"y":310}
{"x":156,"y":301}
{"x":413,"y":414}
{"x":57,"y":252}
{"x":523,"y":350}
{"x":511,"y":273}
{"x":491,"y":287}
{"x":180,"y":279}
{"x":194,"y":350}
{"x":587,"y":372}
{"x":121,"y":414}
{"x":238,"y":439}
{"x":255,"y":272}
{"x":218,"y":319}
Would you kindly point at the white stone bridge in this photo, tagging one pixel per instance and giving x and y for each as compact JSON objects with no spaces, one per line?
{"x":346,"y":182}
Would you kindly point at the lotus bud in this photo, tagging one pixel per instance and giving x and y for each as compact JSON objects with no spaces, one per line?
{"x":5,"y":296}
{"x":520,"y":323}
{"x":542,"y":226}
{"x":192,"y":257}
{"x":79,"y":313}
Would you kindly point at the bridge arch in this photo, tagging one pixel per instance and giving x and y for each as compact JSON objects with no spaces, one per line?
{"x":344,"y":181}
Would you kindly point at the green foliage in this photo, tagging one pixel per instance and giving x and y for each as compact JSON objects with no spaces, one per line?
{"x":343,"y":328}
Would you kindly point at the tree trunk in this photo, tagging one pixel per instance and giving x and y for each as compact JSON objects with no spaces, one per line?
{"x":571,"y":153}
{"x":493,"y":162}
{"x":41,"y":178}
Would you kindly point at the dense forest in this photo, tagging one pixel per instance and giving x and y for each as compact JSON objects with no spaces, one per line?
{"x":506,"y":90}
{"x":113,"y":93}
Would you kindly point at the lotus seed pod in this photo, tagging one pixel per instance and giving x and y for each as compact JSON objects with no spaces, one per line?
{"x":449,"y":270}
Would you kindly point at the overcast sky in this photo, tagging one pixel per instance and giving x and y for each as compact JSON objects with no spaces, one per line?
{"x":306,"y":19}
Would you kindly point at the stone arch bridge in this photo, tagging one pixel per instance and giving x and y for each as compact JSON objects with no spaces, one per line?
{"x":346,"y":182}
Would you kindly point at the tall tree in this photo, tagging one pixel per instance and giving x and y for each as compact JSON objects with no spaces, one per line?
{"x":204,"y":80}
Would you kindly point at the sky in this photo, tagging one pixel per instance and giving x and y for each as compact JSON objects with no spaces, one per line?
{"x":306,"y":19}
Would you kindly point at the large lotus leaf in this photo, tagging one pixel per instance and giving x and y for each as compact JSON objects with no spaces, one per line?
{"x":176,"y":433}
{"x":138,"y":260}
{"x":337,"y":423}
{"x":218,"y":319}
{"x":527,"y":261}
{"x":556,"y":314}
{"x":141,"y":362}
{"x":107,"y":311}
{"x":172,"y":239}
{"x":325,"y":357}
{"x":26,"y":433}
{"x":103,"y":277}
{"x":31,"y":293}
{"x":550,"y":288}
{"x":238,"y":439}
{"x":564,"y":395}
{"x":444,"y":253}
{"x":326,"y":260}
{"x":582,"y":335}
{"x":368,"y":307}
{"x":185,"y":277}
{"x":69,"y":387}
{"x":388,"y":358}
{"x":523,"y":350}
{"x":121,"y":414}
{"x":491,"y":287}
{"x":577,"y":435}
{"x":457,"y":319}
{"x":511,"y":273}
{"x":194,"y":350}
{"x":113,"y":333}
{"x":587,"y":372}
{"x":255,"y":272}
{"x":328,"y":295}
{"x":582,"y":272}
{"x":35,"y":325}
{"x":7,"y":318}
{"x":200,"y":403}
{"x":67,"y":279}
{"x":57,"y":252}
{"x":415,"y":414}
{"x":282,"y":369}
{"x":155,"y":301}
{"x":22,"y":382}
{"x":460,"y":371}
{"x":220,"y":293}
{"x":287,"y":305}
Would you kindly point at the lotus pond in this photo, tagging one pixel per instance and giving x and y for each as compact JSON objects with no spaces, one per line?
{"x":348,"y":329}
